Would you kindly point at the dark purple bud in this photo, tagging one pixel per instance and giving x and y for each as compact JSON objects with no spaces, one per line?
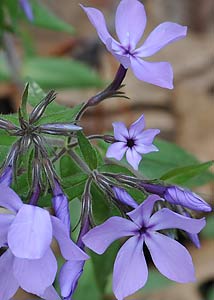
{"x":35,"y":195}
{"x":124,"y":197}
{"x":61,"y":205}
{"x":184,"y":197}
{"x":154,"y":188}
{"x":59,"y":128}
{"x":178,"y":196}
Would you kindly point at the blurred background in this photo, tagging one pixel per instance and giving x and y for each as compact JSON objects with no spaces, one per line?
{"x":185,"y":115}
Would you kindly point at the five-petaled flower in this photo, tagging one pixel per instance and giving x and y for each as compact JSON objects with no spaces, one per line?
{"x":130,"y":268}
{"x":29,"y":262}
{"x":134,"y":141}
{"x":130,"y":23}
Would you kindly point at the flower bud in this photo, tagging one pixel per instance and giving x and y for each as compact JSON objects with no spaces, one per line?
{"x":124,"y":197}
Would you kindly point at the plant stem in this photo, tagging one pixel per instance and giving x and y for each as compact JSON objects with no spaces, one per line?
{"x":106,"y":93}
{"x":79,"y":162}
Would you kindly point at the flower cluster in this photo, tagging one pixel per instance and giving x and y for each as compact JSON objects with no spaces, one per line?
{"x":27,"y":229}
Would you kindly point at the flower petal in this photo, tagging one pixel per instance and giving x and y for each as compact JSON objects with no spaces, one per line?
{"x":98,"y":21}
{"x":170,"y":258}
{"x":69,"y":276}
{"x":116,"y":150}
{"x":161,"y":36}
{"x":101,"y":237}
{"x":142,"y":213}
{"x":36,"y":275}
{"x":130,"y":269}
{"x":120,"y":132}
{"x":124,"y":197}
{"x":137,"y":127}
{"x":147,"y":136}
{"x":118,"y":51}
{"x":133,"y":158}
{"x":8,"y":283}
{"x":69,"y":249}
{"x":9,"y":199}
{"x":194,"y":238}
{"x":5,"y":222}
{"x":166,"y":219}
{"x":157,"y":73}
{"x":184,"y":197}
{"x":50,"y":294}
{"x":130,"y":22}
{"x":30,"y":234}
{"x":145,"y":149}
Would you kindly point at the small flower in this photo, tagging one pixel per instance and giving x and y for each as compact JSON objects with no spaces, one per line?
{"x":130,"y":23}
{"x":29,"y":262}
{"x":134,"y":141}
{"x":124,"y":197}
{"x":130,"y":268}
{"x":184,"y":197}
{"x":27,"y":9}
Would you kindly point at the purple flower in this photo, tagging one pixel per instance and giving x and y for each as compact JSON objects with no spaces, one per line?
{"x":134,"y":141}
{"x":130,"y":268}
{"x":124,"y":197}
{"x":29,"y":262}
{"x":130,"y":23}
{"x":184,"y":197}
{"x":27,"y":9}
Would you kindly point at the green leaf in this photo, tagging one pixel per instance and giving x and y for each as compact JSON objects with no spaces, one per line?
{"x":54,"y":112}
{"x":5,"y":139}
{"x":87,"y":285}
{"x":43,"y":17}
{"x":23,"y":107}
{"x":73,"y":180}
{"x":113,"y":168}
{"x":56,"y":73}
{"x":170,"y":157}
{"x":3,"y":153}
{"x":182,"y":175}
{"x":103,"y":265}
{"x":87,"y":150}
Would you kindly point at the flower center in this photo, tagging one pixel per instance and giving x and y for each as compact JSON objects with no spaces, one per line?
{"x":143,"y":230}
{"x":130,"y":143}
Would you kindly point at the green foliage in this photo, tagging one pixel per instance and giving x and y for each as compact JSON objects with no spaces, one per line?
{"x":44,"y":18}
{"x":87,"y":150}
{"x":103,"y":265}
{"x":57,"y":73}
{"x":172,"y":158}
{"x":182,"y":176}
{"x":87,"y":287}
{"x":54,"y":72}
